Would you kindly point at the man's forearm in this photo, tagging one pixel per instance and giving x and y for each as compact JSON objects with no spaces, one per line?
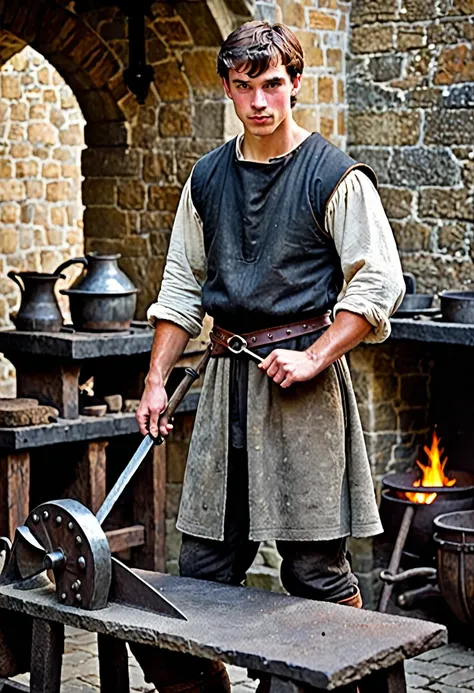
{"x":168,"y":344}
{"x":346,"y":332}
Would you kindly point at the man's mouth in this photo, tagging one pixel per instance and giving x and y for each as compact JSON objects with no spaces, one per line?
{"x":260,"y":119}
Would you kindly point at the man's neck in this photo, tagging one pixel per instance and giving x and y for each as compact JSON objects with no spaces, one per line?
{"x":284,"y":139}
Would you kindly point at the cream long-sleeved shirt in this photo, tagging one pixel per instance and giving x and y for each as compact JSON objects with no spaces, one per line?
{"x":356,"y":221}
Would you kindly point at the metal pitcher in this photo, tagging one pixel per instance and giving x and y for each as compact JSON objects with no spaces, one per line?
{"x":103,"y":298}
{"x":39,"y":310}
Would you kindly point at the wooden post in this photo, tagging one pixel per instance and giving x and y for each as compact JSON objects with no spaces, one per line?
{"x":391,"y":680}
{"x":50,"y":381}
{"x":149,"y":510}
{"x":14,"y":491}
{"x":89,"y":479}
{"x":47,"y":649}
{"x":113,"y":665}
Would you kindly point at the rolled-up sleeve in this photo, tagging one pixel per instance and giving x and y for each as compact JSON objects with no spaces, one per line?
{"x":373,"y":281}
{"x":179,"y":299}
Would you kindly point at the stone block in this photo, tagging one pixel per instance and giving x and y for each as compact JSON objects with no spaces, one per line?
{"x":159,"y":241}
{"x":26,"y":169}
{"x":131,"y":194}
{"x":19,"y":111}
{"x":6,"y":168}
{"x":12,"y":191}
{"x":325,"y":90}
{"x":367,"y":96}
{"x":307,"y":92}
{"x":450,"y":127}
{"x":418,"y":9}
{"x":16,"y":132}
{"x":57,"y":192}
{"x":385,"y":68}
{"x":396,"y":201}
{"x":200,"y":66}
{"x":209,"y":120}
{"x":414,"y":420}
{"x":376,"y":38}
{"x":170,"y":82}
{"x":420,"y":166}
{"x":373,"y":10}
{"x":98,"y":191}
{"x":163,"y":197}
{"x":9,"y":215}
{"x":306,"y":118}
{"x":11,"y":86}
{"x":8,"y":241}
{"x":327,"y":127}
{"x":407,"y":39}
{"x":152,"y":221}
{"x":445,"y":204}
{"x":461,"y":96}
{"x":455,"y":64}
{"x":34,"y":189}
{"x":293,"y":14}
{"x":38,"y":112}
{"x":384,"y":129}
{"x":173,"y":30}
{"x":73,"y":135}
{"x":21,"y":151}
{"x":109,"y":162}
{"x":412,"y":235}
{"x":454,"y":237}
{"x":334,"y":58}
{"x":314,"y":57}
{"x":175,"y":120}
{"x":158,"y":167}
{"x":44,"y":76}
{"x":51,"y":170}
{"x":105,"y":222}
{"x":58,"y":216}
{"x":42,"y":133}
{"x":424,"y":97}
{"x":321,"y":20}
{"x":99,"y":135}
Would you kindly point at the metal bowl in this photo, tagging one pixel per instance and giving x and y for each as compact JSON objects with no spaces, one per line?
{"x":457,"y":306}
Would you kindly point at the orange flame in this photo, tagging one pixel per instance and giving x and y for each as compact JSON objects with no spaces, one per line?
{"x":433,"y":473}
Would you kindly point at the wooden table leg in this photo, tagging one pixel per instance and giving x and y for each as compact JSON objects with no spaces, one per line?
{"x":113,"y":665}
{"x":149,"y":510}
{"x":89,"y":479}
{"x":391,"y":680}
{"x":14,"y":491}
{"x":47,"y":649}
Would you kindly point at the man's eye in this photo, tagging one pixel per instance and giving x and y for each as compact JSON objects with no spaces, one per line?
{"x":273,"y":85}
{"x":242,"y":86}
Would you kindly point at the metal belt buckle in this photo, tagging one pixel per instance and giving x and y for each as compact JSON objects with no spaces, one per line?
{"x":236,"y":344}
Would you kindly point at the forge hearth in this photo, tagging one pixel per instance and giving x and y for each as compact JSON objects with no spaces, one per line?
{"x":419,"y":545}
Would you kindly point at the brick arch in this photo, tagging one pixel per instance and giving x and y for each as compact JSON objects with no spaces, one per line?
{"x":78,"y":53}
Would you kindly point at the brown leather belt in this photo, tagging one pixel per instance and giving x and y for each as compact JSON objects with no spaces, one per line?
{"x":220,"y":337}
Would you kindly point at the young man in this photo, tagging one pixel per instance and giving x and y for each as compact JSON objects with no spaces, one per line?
{"x":275,"y":230}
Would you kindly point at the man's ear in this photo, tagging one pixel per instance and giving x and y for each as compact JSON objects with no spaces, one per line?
{"x":296,"y":84}
{"x":225,"y":84}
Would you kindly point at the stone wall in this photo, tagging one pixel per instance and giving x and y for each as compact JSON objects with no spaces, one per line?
{"x":41,"y":138}
{"x":410,"y":95}
{"x":322,"y":28}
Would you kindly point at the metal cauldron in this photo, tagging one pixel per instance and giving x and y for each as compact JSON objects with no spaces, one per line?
{"x":454,"y":537}
{"x":39,"y":310}
{"x":457,"y":306}
{"x":103,"y":298}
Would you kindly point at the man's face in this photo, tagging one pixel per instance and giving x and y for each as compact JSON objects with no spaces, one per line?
{"x":262,"y":103}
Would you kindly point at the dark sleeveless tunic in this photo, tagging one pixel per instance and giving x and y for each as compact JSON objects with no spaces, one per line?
{"x":270,"y":260}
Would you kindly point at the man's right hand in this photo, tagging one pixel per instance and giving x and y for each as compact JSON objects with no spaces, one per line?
{"x":153,"y":403}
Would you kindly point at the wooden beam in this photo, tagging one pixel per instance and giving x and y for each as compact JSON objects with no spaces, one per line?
{"x":14,"y":491}
{"x":126,"y":538}
{"x":149,"y":510}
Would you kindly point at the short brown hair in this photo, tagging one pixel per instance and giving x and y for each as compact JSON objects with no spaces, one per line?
{"x":255,"y":45}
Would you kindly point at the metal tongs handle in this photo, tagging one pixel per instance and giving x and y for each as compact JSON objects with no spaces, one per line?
{"x":191,"y":375}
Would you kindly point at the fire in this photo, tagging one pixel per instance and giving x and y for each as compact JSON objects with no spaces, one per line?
{"x":433,"y":473}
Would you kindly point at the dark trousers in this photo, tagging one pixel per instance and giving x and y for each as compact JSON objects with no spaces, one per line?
{"x":312,"y":569}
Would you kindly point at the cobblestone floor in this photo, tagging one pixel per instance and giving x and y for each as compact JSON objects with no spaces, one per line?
{"x":449,"y":669}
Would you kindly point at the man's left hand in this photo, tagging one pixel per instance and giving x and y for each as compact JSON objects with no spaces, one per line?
{"x":286,"y":367}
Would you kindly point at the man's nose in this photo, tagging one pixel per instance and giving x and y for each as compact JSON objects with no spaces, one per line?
{"x":259,"y":100}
